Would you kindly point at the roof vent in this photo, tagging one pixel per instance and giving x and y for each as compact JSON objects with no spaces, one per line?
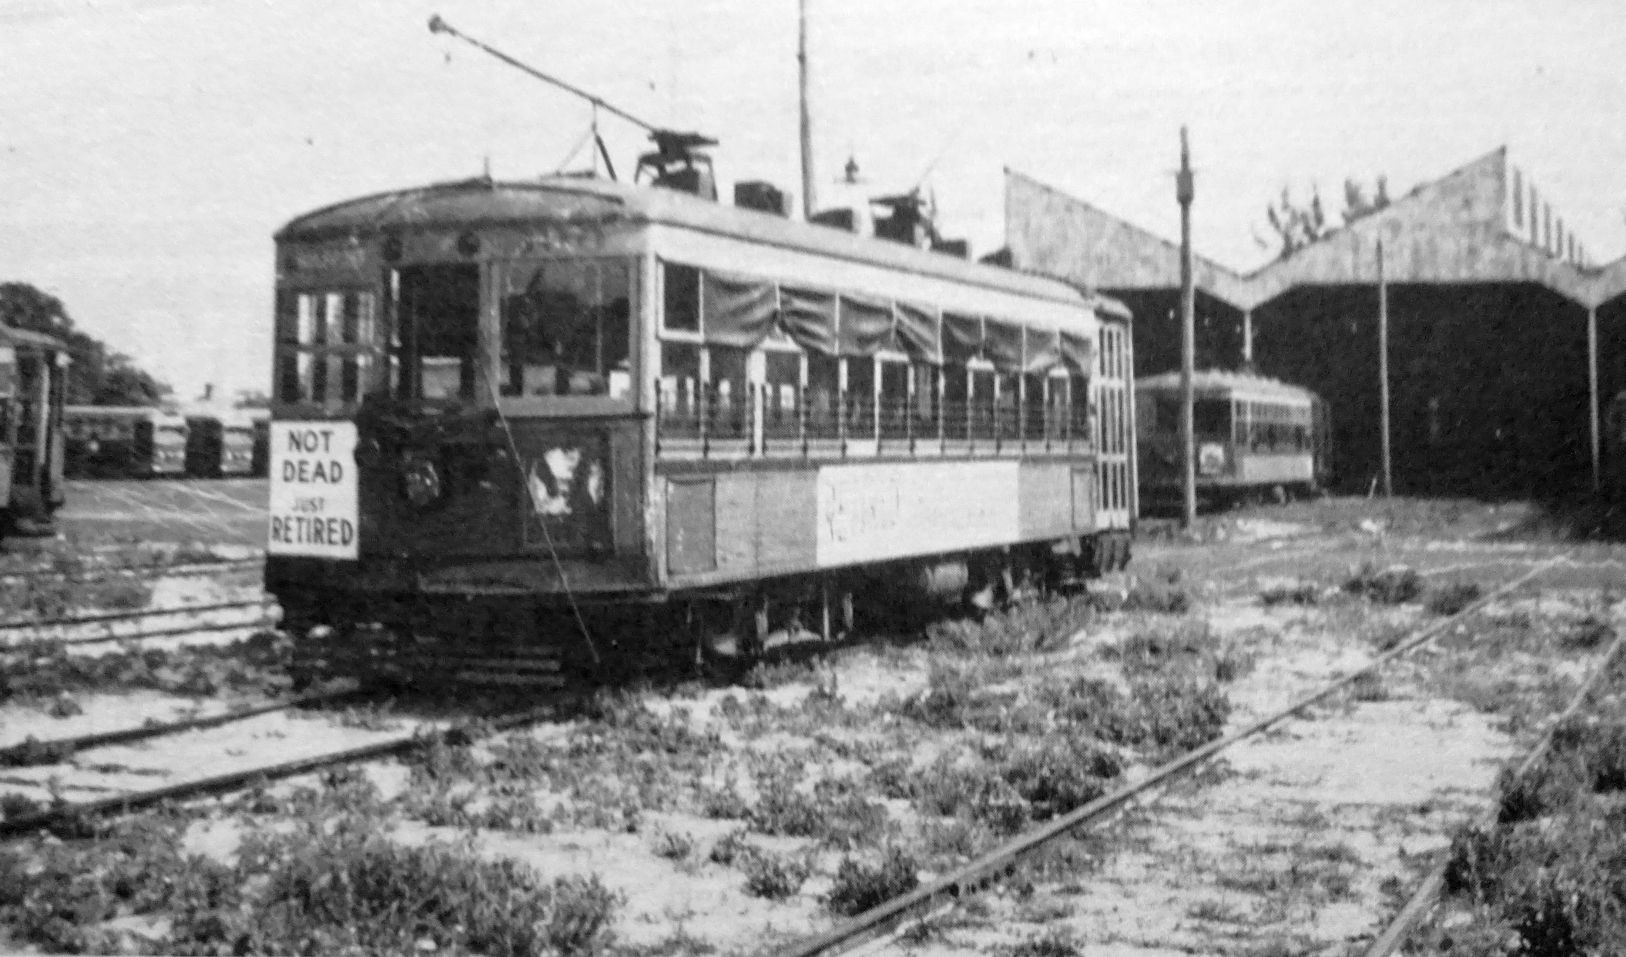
{"x":764,"y":197}
{"x":844,"y":219}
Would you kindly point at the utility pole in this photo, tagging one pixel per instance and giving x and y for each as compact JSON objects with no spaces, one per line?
{"x":1383,"y":371}
{"x":807,"y":122}
{"x":1184,"y":191}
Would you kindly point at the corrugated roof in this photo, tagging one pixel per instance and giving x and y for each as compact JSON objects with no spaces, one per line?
{"x":1223,"y":380}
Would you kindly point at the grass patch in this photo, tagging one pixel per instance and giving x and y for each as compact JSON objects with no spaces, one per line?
{"x":773,"y":876}
{"x":1024,"y":628}
{"x":1301,"y":594}
{"x":858,"y":887}
{"x":325,"y":887}
{"x":1394,"y":585}
{"x":46,"y":669}
{"x":1453,"y":598}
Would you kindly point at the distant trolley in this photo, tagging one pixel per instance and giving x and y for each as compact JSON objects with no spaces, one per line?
{"x":1255,"y":438}
{"x":33,"y":384}
{"x":105,"y":441}
{"x":519,"y":399}
{"x":220,"y":445}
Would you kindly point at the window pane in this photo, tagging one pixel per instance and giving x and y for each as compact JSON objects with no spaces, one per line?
{"x":680,"y":388}
{"x":894,"y":401}
{"x":925,"y":400}
{"x":823,"y":387}
{"x":681,"y":306}
{"x":729,"y":392}
{"x":567,"y":330}
{"x":860,"y":398}
{"x":982,"y":404}
{"x":1033,"y":405}
{"x":782,"y":375}
{"x":956,"y":401}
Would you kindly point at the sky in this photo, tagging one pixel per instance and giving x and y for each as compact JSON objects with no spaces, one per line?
{"x":149,"y":149}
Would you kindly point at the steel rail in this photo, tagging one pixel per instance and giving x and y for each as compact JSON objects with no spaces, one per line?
{"x":103,"y":573}
{"x":180,"y":631}
{"x":32,"y":752}
{"x":66,"y":816}
{"x":1427,"y":893}
{"x":102,"y":617}
{"x":878,"y":920}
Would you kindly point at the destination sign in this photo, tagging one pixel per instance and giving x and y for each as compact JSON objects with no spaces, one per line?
{"x":313,"y":489}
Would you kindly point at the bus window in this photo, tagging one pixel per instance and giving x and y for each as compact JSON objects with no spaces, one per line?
{"x":956,"y":401}
{"x":681,"y":297}
{"x":894,"y":402}
{"x":860,"y":397}
{"x":1034,"y":406}
{"x":982,"y":404}
{"x":823,"y":388}
{"x":566,"y":332}
{"x":782,"y":383}
{"x":1212,"y":418}
{"x":680,"y":388}
{"x":925,"y":401}
{"x":729,"y":391}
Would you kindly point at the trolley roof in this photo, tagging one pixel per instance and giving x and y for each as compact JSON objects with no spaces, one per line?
{"x":483,"y":202}
{"x":1241,"y":384}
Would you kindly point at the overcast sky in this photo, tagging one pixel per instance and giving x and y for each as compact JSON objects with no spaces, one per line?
{"x":151,"y":147}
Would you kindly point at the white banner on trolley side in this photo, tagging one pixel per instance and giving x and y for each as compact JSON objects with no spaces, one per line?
{"x":313,"y":489}
{"x":876,"y":512}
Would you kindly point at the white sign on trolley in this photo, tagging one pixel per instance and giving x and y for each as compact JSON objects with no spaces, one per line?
{"x":313,"y":489}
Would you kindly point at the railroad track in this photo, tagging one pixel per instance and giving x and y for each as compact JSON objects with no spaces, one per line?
{"x":72,"y":818}
{"x":261,"y":605}
{"x":941,"y":894}
{"x":33,"y":752}
{"x":96,"y":573}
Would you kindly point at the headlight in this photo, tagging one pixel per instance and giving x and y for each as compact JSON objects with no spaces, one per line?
{"x":420,"y":481}
{"x":1210,"y":458}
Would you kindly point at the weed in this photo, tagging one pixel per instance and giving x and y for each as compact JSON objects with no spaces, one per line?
{"x":1394,"y":585}
{"x":723,"y":804}
{"x":1022,"y":629}
{"x":13,"y":806}
{"x":1588,"y":633}
{"x":1368,"y":686}
{"x":1159,"y":597}
{"x":729,"y":847}
{"x":1055,"y":942}
{"x":673,"y":846}
{"x":1453,"y":598}
{"x":835,"y":813}
{"x":773,"y":876}
{"x":858,"y":887}
{"x":1303,"y":594}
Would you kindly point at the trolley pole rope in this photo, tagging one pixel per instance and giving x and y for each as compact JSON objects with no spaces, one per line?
{"x":979,"y":871}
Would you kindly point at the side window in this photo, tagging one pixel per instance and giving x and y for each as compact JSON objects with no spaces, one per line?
{"x":894,"y":407}
{"x":1035,"y":408}
{"x":782,"y":393}
{"x":956,"y":401}
{"x":680,"y":299}
{"x":860,"y":397}
{"x":925,"y":401}
{"x":566,"y":330}
{"x":729,"y":392}
{"x":822,"y":395}
{"x":680,"y":388}
{"x":983,"y":407}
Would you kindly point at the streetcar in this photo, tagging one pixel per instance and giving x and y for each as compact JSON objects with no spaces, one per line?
{"x":1255,"y":438}
{"x":33,"y":385}
{"x":109,"y":441}
{"x":220,"y":445}
{"x":499,"y":404}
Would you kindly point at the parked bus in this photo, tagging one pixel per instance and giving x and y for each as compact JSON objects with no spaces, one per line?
{"x":33,"y":383}
{"x":1255,"y":438}
{"x":220,"y":445}
{"x":105,"y":441}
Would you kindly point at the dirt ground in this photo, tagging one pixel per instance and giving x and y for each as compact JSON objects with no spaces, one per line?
{"x":1298,"y":841}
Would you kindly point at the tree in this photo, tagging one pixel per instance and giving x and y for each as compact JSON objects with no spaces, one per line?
{"x":1298,"y":226}
{"x":98,"y":375}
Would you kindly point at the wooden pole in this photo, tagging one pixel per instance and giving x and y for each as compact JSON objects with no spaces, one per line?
{"x":806,"y":120}
{"x":1184,"y":192}
{"x":1383,"y":371}
{"x":1592,"y":392}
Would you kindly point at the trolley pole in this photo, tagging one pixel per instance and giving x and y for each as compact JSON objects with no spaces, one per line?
{"x":1383,"y":370}
{"x":1184,"y":191}
{"x":806,"y":119}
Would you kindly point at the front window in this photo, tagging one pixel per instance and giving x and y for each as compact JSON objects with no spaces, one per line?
{"x":171,"y":435}
{"x":435,"y":342}
{"x":566,"y":329}
{"x":325,"y":346}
